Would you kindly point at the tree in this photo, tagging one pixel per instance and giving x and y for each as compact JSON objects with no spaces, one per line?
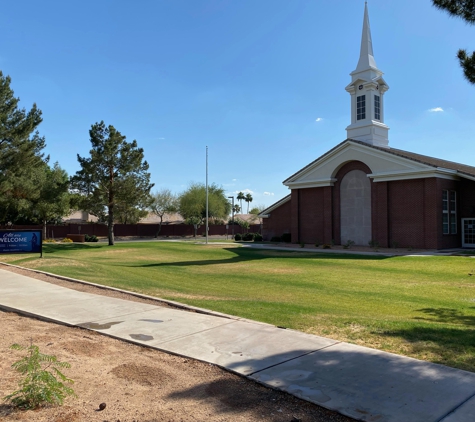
{"x":53,"y":201}
{"x":256,"y":211}
{"x":248,"y":198}
{"x":114,"y":176}
{"x":163,"y":202}
{"x":20,"y":153}
{"x":192,"y":204}
{"x":464,"y":9}
{"x":240,"y":197}
{"x":236,"y":209}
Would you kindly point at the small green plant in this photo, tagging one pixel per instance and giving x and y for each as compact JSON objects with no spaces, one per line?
{"x":302,"y":245}
{"x":349,"y":243}
{"x":91,"y":238}
{"x":40,"y":384}
{"x":238,"y":236}
{"x":248,"y":237}
{"x":395,"y":244}
{"x":258,"y":237}
{"x":332,"y":242}
{"x":326,"y":246}
{"x":67,"y":240}
{"x":317,"y":244}
{"x":373,"y":244}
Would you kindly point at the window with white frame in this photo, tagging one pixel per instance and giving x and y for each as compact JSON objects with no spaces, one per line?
{"x":361,"y":107}
{"x":377,"y":107}
{"x":449,"y":212}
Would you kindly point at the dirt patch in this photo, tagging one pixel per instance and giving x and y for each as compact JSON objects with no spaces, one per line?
{"x":138,"y":383}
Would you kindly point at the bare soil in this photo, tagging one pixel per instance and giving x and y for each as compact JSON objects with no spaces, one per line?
{"x":137,"y":383}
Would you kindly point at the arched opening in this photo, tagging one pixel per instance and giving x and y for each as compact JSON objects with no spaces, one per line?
{"x":355,"y":208}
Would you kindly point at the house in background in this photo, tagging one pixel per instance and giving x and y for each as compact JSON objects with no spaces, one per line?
{"x":365,"y":191}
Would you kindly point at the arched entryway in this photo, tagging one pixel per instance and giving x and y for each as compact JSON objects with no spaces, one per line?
{"x":355,"y":208}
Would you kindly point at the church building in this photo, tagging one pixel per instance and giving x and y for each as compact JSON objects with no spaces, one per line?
{"x":365,"y":191}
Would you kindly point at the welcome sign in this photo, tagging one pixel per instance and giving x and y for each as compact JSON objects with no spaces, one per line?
{"x":21,"y":241}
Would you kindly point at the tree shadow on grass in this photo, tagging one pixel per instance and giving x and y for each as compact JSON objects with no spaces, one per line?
{"x":248,"y":254}
{"x":448,"y":345}
{"x":447,"y":315}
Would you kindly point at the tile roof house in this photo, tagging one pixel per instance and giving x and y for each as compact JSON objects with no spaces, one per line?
{"x":365,"y":191}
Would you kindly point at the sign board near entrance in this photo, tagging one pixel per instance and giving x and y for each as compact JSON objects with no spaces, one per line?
{"x":21,"y":241}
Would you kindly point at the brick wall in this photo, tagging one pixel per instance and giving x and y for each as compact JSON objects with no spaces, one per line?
{"x":278,"y":223}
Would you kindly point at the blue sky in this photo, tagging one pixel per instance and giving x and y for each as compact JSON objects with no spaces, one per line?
{"x":260,"y":82}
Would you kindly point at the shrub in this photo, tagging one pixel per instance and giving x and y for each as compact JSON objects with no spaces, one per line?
{"x":286,"y":237}
{"x":373,"y":244}
{"x":67,"y":240}
{"x":248,"y":237}
{"x":302,"y":245}
{"x":257,"y":237}
{"x":49,"y":241}
{"x":237,"y":236}
{"x":276,"y":239}
{"x":92,"y":238}
{"x":40,"y":383}
{"x":326,"y":246}
{"x":348,"y":244}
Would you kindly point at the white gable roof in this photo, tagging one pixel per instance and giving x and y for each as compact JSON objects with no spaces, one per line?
{"x":384,"y":164}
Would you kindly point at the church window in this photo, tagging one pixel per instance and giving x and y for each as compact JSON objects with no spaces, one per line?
{"x":449,"y":212}
{"x":361,"y":107}
{"x":377,"y":107}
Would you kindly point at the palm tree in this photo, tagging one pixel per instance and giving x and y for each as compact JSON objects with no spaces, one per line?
{"x":248,"y":199}
{"x":237,"y":208}
{"x":240,"y":196}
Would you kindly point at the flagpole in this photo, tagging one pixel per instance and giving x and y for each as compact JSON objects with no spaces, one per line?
{"x":206,"y":194}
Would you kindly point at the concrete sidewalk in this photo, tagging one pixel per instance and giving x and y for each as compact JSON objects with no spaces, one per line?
{"x":359,"y":382}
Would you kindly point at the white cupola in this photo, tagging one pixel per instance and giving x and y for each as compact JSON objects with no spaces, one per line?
{"x":367,"y":90}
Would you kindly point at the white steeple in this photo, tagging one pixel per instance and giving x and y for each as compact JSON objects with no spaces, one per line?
{"x":367,"y":90}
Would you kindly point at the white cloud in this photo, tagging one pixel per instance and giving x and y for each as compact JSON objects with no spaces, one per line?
{"x":319,"y":119}
{"x":269,"y":193}
{"x":436,"y":109}
{"x":244,"y":191}
{"x":234,"y":180}
{"x":161,"y":139}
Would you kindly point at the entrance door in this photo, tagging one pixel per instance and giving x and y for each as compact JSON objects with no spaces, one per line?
{"x":355,"y":208}
{"x":468,"y":232}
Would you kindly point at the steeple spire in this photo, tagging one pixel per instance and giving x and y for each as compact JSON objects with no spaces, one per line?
{"x":366,"y":60}
{"x":367,"y":90}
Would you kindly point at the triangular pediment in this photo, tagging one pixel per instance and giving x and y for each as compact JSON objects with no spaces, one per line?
{"x":383,"y":164}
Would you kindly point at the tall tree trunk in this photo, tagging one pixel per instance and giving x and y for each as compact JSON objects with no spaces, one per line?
{"x":159,"y":226}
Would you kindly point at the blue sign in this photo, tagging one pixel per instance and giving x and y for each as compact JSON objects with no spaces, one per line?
{"x":20,"y":241}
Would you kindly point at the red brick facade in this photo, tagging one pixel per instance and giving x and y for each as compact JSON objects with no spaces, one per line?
{"x":279,"y":221}
{"x":404,"y":213}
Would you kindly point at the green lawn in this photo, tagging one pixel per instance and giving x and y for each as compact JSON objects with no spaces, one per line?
{"x":422,"y":307}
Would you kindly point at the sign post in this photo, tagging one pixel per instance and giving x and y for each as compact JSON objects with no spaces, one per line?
{"x":21,"y":241}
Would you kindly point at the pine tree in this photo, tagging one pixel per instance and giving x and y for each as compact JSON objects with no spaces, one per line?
{"x":464,"y":9}
{"x":20,"y":153}
{"x":114,"y":176}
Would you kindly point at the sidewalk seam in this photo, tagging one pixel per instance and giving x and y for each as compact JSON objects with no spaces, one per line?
{"x":455,"y":408}
{"x":296,"y":357}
